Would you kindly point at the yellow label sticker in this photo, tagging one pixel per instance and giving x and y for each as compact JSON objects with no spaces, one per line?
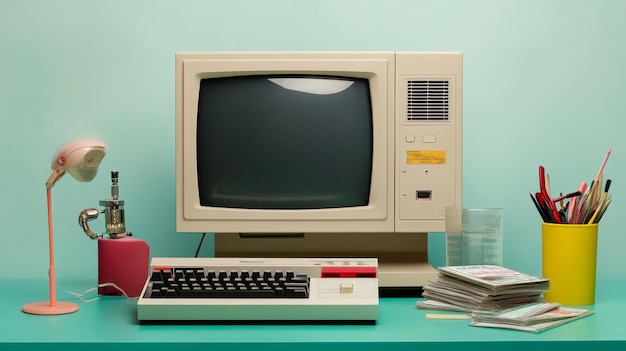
{"x":426,"y":157}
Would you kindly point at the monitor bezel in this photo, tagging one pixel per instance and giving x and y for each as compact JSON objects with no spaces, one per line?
{"x":378,"y":215}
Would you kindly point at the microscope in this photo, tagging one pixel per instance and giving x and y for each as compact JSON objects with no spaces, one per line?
{"x":123,"y":261}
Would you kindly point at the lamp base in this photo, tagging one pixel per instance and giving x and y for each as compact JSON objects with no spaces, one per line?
{"x":46,"y":308}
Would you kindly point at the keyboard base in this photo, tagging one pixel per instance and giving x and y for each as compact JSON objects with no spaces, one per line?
{"x":275,"y":310}
{"x":342,"y":300}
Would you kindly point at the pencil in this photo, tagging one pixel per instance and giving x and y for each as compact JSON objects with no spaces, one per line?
{"x":606,"y":158}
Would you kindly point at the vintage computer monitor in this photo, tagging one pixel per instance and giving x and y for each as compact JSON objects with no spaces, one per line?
{"x":320,"y":154}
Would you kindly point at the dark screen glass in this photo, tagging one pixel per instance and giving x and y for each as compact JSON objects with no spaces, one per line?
{"x":284,"y":142}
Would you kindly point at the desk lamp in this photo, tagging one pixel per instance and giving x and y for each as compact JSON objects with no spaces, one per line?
{"x":80,"y":159}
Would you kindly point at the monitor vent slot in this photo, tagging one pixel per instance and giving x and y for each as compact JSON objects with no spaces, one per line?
{"x":427,"y":100}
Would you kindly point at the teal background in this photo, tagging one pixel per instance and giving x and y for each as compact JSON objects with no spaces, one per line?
{"x":543,"y":84}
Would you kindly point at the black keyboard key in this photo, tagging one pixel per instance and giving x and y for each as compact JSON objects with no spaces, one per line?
{"x":156,"y":276}
{"x":296,"y":292}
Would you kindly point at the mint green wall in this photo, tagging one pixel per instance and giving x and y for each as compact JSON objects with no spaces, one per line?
{"x":543,"y":84}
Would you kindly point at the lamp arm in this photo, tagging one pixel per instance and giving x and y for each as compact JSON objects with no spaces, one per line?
{"x":57,"y":173}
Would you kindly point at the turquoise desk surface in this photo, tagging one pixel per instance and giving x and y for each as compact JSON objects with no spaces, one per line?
{"x":109,"y":323}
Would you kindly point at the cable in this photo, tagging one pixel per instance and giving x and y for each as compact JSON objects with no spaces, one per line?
{"x":103,"y":285}
{"x":200,"y":245}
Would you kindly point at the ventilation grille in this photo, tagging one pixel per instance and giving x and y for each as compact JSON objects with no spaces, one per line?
{"x":427,"y":100}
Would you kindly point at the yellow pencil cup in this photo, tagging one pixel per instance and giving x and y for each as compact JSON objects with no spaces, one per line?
{"x":569,"y":254}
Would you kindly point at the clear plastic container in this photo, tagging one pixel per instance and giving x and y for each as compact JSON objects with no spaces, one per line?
{"x":474,"y":236}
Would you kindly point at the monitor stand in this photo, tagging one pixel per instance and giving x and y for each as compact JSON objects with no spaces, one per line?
{"x":403,"y":266}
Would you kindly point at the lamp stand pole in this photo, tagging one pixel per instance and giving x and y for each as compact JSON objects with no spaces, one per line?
{"x":51,"y":307}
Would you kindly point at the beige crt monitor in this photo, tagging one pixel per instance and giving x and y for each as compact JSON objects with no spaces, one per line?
{"x":260,"y":159}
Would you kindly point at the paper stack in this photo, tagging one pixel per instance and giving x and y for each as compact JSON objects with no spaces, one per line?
{"x":534,"y":318}
{"x":487,"y":289}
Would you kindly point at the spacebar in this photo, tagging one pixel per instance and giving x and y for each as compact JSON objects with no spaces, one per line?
{"x":228,"y":294}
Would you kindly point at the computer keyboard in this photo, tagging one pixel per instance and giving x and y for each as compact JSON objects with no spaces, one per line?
{"x":260,"y":289}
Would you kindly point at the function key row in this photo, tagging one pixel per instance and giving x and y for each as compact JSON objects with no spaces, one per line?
{"x":200,"y":273}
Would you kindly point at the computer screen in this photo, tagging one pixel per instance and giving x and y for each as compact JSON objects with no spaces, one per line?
{"x":320,"y":154}
{"x":297,"y":147}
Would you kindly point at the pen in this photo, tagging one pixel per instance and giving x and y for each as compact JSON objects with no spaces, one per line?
{"x":539,"y":209}
{"x":572,"y":207}
{"x":551,"y":214}
{"x":607,"y":185}
{"x":566,"y":196}
{"x":546,"y":197}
